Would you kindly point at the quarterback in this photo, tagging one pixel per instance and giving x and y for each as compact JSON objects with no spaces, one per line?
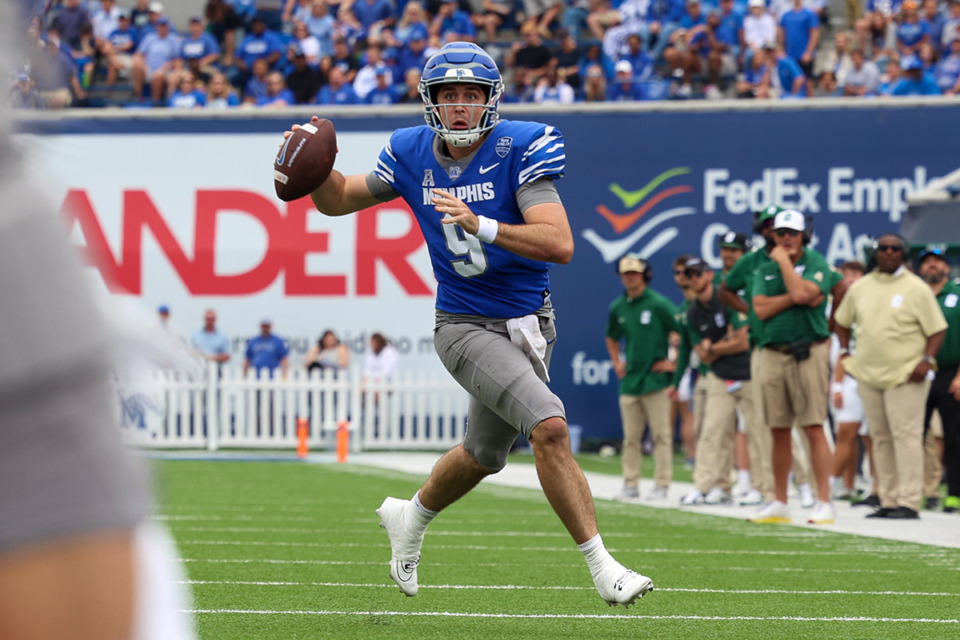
{"x":482,"y":191}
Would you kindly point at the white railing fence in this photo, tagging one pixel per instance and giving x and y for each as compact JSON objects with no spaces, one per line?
{"x":213,"y":409}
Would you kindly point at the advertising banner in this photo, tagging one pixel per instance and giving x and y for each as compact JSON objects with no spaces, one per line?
{"x":182,"y":212}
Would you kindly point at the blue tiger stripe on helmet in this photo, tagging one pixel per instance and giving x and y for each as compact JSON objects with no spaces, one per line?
{"x":467,"y":63}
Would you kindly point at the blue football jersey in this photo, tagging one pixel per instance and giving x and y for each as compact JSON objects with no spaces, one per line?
{"x":474,"y":277}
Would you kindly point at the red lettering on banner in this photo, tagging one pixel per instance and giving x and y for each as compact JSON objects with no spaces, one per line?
{"x":77,"y":210}
{"x":211,"y":203}
{"x":301,"y":242}
{"x":392,"y":252}
{"x":288,"y":244}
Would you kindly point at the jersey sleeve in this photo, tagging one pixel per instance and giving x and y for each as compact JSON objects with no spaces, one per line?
{"x":387,"y":165}
{"x":820,"y":274}
{"x":545,"y":157}
{"x":613,"y":327}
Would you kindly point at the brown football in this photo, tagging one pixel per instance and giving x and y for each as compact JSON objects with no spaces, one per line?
{"x":305,"y":160}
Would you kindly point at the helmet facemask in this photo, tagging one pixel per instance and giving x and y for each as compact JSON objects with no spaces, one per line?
{"x":464,"y":63}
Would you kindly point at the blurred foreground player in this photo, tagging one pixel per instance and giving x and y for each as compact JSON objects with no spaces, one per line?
{"x":482,"y":190}
{"x":77,"y":559}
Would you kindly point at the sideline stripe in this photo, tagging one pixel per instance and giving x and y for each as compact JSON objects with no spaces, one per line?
{"x":560,"y":616}
{"x":522,"y":587}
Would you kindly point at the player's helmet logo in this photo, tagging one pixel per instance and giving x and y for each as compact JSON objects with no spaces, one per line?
{"x":461,"y":62}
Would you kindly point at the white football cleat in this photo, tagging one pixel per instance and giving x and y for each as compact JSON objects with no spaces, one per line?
{"x":692,"y":498}
{"x":823,"y":513}
{"x":405,"y":543}
{"x":752,"y":497}
{"x":718,"y":496}
{"x":619,"y":585}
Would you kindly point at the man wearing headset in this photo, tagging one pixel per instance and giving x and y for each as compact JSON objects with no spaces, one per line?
{"x":641,"y":320}
{"x":789,"y":296}
{"x":900,"y":329}
{"x":483,"y":194}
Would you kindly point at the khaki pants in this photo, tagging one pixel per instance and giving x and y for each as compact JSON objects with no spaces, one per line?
{"x":895,"y":417}
{"x":932,"y":467}
{"x":699,"y":400}
{"x":800,"y":448}
{"x":636,"y":412}
{"x":715,"y":447}
{"x":759,"y":439}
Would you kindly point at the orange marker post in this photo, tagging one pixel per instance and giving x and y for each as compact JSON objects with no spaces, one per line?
{"x":302,"y":433}
{"x":343,"y":440}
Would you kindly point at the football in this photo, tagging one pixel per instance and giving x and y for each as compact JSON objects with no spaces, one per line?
{"x":305,"y":160}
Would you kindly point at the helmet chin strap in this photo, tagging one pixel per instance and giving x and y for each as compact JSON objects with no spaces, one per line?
{"x":460,"y":140}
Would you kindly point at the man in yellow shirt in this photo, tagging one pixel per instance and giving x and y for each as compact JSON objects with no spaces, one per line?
{"x":900,"y":328}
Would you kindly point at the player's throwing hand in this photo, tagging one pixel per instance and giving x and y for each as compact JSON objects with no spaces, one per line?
{"x":457,"y":209}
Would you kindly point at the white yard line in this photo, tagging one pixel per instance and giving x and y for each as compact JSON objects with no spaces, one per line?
{"x":560,"y":616}
{"x":520,"y":587}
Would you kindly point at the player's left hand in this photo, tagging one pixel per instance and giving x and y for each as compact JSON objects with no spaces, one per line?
{"x":954,"y":388}
{"x":447,"y":203}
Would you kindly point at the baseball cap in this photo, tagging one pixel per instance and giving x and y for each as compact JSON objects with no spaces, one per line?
{"x":909,"y":63}
{"x":623,"y":66}
{"x":417,"y":32}
{"x":123,"y":13}
{"x":23,"y":76}
{"x":163,"y":21}
{"x":632,"y":262}
{"x":734,"y":240}
{"x":163,"y":309}
{"x":155,"y":7}
{"x":381,"y":70}
{"x":696,"y":265}
{"x":757,"y":3}
{"x":790,"y":219}
{"x":264,"y":321}
{"x":196,"y":19}
{"x":296,"y":49}
{"x":933,"y":250}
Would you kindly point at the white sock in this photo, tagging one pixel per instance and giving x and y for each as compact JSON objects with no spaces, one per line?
{"x":596,"y":554}
{"x":743,"y":478}
{"x":421,"y":515}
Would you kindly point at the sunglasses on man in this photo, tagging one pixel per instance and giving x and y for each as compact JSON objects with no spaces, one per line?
{"x":889,"y":248}
{"x":787,"y":232}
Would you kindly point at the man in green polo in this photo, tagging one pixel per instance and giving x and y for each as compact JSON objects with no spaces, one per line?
{"x":945,"y":389}
{"x":641,"y":320}
{"x":789,"y":296}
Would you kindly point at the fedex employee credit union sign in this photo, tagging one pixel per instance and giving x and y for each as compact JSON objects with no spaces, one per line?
{"x":182,"y":212}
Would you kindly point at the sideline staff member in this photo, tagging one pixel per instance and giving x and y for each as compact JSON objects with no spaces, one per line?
{"x":643,"y":319}
{"x":789,"y":297}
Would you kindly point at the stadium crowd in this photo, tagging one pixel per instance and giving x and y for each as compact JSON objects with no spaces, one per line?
{"x":274,"y":53}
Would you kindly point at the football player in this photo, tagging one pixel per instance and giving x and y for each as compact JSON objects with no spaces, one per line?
{"x":482,"y":191}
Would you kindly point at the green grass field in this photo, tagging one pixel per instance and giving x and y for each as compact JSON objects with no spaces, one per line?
{"x":292,"y":550}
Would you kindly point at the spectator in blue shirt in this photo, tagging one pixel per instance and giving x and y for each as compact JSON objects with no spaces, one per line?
{"x":259,"y":44}
{"x":337,"y":91}
{"x":451,"y":23}
{"x":220,"y":93}
{"x":121,"y":44}
{"x":947,"y":72}
{"x":934,"y":20}
{"x":951,"y":27}
{"x":210,"y":343}
{"x":624,"y":88}
{"x":911,"y":32}
{"x":371,"y":15}
{"x":199,"y":50}
{"x":663,"y":18}
{"x":383,"y":93}
{"x":413,"y":54}
{"x":790,"y":77}
{"x":155,"y":58}
{"x":756,"y":76}
{"x":800,"y":32}
{"x":277,"y":94}
{"x":266,"y":351}
{"x":914,"y":81}
{"x":187,"y":95}
{"x":256,"y":86}
{"x":641,"y":64}
{"x":321,"y":25}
